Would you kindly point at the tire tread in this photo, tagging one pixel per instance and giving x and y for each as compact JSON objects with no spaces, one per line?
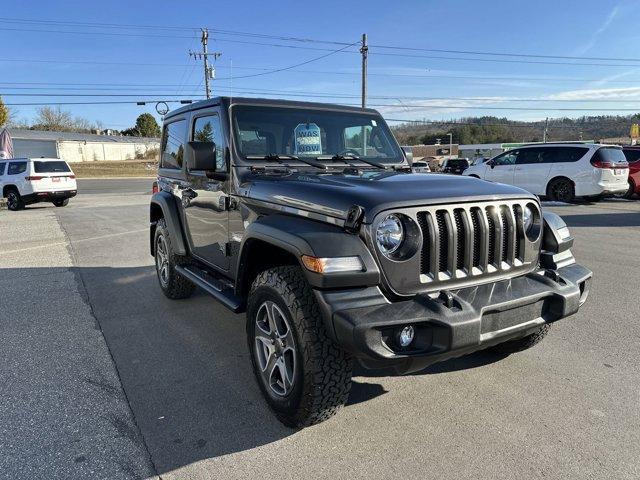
{"x":327,"y":368}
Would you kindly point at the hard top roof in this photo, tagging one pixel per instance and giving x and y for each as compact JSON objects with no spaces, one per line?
{"x":275,"y":102}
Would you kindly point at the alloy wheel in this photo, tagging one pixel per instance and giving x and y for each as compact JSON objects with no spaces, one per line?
{"x":162,"y":260}
{"x":275,"y":349}
{"x":562,"y":191}
{"x":12,"y":201}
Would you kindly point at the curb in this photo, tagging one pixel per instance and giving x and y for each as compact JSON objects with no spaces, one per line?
{"x":116,"y":178}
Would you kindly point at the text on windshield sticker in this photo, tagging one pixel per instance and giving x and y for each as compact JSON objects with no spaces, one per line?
{"x":307,"y":139}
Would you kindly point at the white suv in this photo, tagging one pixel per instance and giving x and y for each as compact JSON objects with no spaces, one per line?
{"x":24,"y":181}
{"x":558,"y":171}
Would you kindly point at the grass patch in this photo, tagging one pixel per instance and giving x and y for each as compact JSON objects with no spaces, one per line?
{"x":127,"y":168}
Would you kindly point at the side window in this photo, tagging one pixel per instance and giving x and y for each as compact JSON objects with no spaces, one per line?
{"x":507,"y":158}
{"x":2,"y":168}
{"x":564,"y":154}
{"x":16,"y":168}
{"x":529,"y":156}
{"x":208,"y":129}
{"x":631,"y":156}
{"x":173,"y":137}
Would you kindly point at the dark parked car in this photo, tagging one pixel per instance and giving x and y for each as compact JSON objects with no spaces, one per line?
{"x":307,"y":217}
{"x":455,"y":165}
{"x":632,"y":155}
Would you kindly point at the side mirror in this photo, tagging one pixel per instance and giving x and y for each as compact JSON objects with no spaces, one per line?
{"x":491,"y":164}
{"x":201,"y":156}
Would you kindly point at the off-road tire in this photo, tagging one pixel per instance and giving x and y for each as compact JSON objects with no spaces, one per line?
{"x":323,"y":370}
{"x":63,"y":202}
{"x":524,"y":343}
{"x":14,"y":200}
{"x":561,"y":190}
{"x":176,"y":286}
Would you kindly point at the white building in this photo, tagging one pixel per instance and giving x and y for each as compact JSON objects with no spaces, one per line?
{"x":82,"y":147}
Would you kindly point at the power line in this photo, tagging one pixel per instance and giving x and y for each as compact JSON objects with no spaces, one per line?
{"x":506,"y":54}
{"x":498,"y":60}
{"x":472,"y":124}
{"x":268,"y":72}
{"x":381,"y":74}
{"x":318,"y":95}
{"x":303,"y":40}
{"x":165,"y":27}
{"x":433,"y":57}
{"x":449,"y":107}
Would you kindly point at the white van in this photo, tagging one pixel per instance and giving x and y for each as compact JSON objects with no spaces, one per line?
{"x":558,"y":171}
{"x":24,"y":181}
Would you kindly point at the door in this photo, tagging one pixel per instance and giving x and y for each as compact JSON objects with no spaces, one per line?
{"x":501,"y":168}
{"x":205,"y":200}
{"x":532,"y":169}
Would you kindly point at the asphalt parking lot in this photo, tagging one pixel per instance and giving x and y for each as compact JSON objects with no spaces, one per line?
{"x":109,"y":379}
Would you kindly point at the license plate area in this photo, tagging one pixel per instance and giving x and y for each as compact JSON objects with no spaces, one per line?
{"x":496,"y":321}
{"x":55,"y":179}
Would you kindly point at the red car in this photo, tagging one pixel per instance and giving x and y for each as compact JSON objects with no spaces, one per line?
{"x":633,"y":157}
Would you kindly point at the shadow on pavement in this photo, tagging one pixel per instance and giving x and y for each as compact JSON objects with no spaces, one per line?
{"x":185,"y":368}
{"x":631,"y":219}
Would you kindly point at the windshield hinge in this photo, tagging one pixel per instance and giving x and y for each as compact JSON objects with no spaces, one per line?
{"x":354,"y":219}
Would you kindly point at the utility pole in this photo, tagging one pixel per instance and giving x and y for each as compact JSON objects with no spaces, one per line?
{"x":209,"y":71}
{"x":546,"y":128}
{"x":364,"y":50}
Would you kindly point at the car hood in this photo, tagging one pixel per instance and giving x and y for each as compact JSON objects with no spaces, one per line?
{"x":334,"y":194}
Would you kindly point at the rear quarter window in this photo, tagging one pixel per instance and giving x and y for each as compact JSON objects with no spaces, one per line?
{"x":2,"y":168}
{"x":16,"y":168}
{"x":564,"y":154}
{"x":173,"y":138}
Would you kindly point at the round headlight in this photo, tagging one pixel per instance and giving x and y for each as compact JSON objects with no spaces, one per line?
{"x":527,"y":217}
{"x":389,"y":234}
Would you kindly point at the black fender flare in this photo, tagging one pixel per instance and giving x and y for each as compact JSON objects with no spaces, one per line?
{"x":163,"y":205}
{"x":301,"y":236}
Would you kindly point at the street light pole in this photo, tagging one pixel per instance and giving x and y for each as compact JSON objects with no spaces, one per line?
{"x":450,"y":144}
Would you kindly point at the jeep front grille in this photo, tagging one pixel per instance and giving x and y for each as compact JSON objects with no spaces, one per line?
{"x":466,"y":241}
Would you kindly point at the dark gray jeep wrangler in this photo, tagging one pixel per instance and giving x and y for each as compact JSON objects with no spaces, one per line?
{"x":306,"y":217}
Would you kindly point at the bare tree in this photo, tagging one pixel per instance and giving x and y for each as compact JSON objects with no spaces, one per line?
{"x":54,"y":119}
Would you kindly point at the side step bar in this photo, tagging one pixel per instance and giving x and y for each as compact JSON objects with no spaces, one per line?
{"x":214,"y":287}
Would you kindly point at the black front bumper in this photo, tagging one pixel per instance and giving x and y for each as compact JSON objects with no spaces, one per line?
{"x":455,"y":323}
{"x":48,"y":196}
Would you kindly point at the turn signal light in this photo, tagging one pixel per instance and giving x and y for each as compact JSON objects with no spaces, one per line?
{"x":332,"y":265}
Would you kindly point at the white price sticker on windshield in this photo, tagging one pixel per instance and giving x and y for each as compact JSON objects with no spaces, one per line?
{"x":307,"y":139}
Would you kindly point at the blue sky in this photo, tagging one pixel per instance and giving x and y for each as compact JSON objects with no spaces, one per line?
{"x":37,"y":59}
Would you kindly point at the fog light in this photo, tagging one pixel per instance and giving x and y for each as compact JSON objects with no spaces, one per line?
{"x":405,"y":337}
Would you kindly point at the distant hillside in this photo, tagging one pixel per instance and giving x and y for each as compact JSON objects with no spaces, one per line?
{"x":502,"y":130}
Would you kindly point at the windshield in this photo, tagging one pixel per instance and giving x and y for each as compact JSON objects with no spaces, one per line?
{"x":50,"y":167}
{"x":266,"y":131}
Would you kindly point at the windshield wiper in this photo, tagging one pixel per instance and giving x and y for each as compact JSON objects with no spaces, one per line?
{"x":343,"y":158}
{"x":276,"y":157}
